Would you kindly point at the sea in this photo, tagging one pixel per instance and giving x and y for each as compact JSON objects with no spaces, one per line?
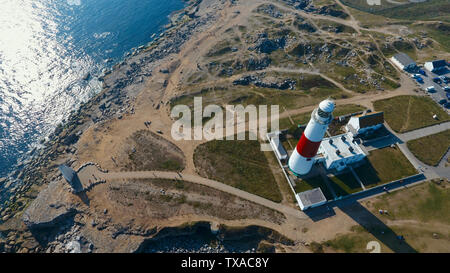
{"x":51,"y":55}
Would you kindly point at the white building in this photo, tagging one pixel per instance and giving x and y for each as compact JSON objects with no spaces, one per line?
{"x":339,"y":151}
{"x":436,"y":66}
{"x":310,"y":199}
{"x":364,"y":123}
{"x":277,"y":147}
{"x":403,"y":61}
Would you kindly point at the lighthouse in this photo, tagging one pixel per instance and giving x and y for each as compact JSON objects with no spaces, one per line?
{"x":302,"y":158}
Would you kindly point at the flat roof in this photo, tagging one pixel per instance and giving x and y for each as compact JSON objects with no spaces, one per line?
{"x":438,"y":63}
{"x":404,"y":59}
{"x":279,"y":149}
{"x":311,"y":197}
{"x":370,"y":119}
{"x":342,"y":143}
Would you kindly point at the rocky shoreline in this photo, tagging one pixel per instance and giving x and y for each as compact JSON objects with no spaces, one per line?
{"x":201,"y":237}
{"x":60,"y":230}
{"x":121,"y":85}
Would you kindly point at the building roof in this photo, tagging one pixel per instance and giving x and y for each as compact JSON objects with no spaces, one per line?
{"x":311,"y":197}
{"x":370,"y":119}
{"x":404,"y":59}
{"x":339,"y":147}
{"x":439,"y":63}
{"x":278,"y":147}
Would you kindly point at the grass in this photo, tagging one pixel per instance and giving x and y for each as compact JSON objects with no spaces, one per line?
{"x":246,"y":95}
{"x":345,"y":184}
{"x":312,"y":183}
{"x":350,"y":243}
{"x":406,"y":113}
{"x":426,"y":203}
{"x":305,"y":117}
{"x":148,"y":151}
{"x":429,"y":10}
{"x":421,"y":212}
{"x":240,"y":164}
{"x":384,"y":165}
{"x":436,"y":147}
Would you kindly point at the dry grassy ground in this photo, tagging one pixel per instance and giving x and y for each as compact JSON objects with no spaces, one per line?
{"x":384,"y":165}
{"x":430,"y":149}
{"x":418,"y":213}
{"x":406,"y":113}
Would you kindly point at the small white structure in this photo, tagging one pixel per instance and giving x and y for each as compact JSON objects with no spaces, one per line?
{"x":403,"y":61}
{"x":339,"y":151}
{"x":364,"y":123}
{"x":436,"y":66}
{"x":311,"y":198}
{"x":277,"y":147}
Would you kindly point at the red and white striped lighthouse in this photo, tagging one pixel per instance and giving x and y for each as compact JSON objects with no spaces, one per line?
{"x":302,"y":158}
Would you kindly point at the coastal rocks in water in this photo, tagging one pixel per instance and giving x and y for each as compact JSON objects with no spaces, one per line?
{"x":70,"y":139}
{"x":73,"y":247}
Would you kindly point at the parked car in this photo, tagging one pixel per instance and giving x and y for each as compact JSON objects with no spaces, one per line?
{"x":437,"y":80}
{"x":421,"y":71}
{"x":444,"y":79}
{"x":447,"y":88}
{"x":431,"y":89}
{"x":443,"y":101}
{"x":448,"y":95}
{"x":419,"y":79}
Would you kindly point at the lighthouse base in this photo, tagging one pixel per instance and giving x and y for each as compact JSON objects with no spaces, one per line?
{"x":294,"y":173}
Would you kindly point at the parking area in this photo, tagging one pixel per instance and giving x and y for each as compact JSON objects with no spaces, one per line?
{"x":438,"y":94}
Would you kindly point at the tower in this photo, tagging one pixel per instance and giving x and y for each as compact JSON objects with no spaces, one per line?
{"x":302,"y":157}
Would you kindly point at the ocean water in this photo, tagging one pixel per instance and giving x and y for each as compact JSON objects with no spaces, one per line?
{"x":51,"y":52}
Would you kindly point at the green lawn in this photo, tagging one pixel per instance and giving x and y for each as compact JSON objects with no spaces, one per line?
{"x":312,"y":183}
{"x":406,"y":113}
{"x":305,"y":117}
{"x":240,"y":164}
{"x":384,"y":165}
{"x":436,"y":147}
{"x":345,"y":184}
{"x":426,"y":202}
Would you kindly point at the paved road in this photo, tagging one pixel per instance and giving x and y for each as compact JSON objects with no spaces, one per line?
{"x":430,"y":172}
{"x":206,"y":182}
{"x":423,"y":132}
{"x":439,"y":94}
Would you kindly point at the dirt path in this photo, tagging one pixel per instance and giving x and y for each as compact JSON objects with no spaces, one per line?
{"x":206,"y":182}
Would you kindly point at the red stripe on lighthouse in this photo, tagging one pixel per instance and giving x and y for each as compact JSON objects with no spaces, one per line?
{"x":307,"y":148}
